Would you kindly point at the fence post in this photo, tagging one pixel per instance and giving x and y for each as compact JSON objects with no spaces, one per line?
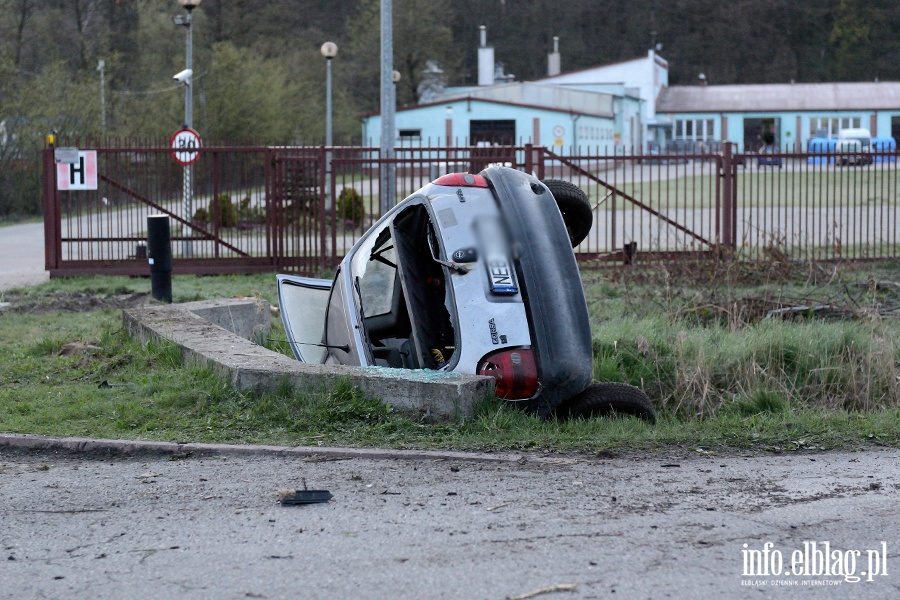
{"x":52,"y":215}
{"x":729,"y":237}
{"x":324,"y":203}
{"x":541,"y":157}
{"x":529,"y":159}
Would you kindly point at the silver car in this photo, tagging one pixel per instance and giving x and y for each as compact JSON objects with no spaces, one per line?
{"x":473,"y":274}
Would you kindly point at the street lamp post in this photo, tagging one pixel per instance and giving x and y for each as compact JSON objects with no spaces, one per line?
{"x":101,"y":66}
{"x":188,"y":184}
{"x":329,"y":51}
{"x":185,"y":21}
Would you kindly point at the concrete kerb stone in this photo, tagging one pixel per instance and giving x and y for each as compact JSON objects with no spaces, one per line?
{"x":126,"y":448}
{"x":213,"y":334}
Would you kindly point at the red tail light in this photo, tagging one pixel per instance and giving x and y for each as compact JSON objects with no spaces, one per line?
{"x":461,"y":180}
{"x":515,"y":372}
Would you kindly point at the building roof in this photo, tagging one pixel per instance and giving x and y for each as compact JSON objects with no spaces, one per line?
{"x":445,"y":102}
{"x":565,"y":99}
{"x":603,"y":66}
{"x":778,"y":97}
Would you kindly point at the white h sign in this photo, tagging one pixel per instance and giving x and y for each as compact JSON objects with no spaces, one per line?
{"x":81,"y":175}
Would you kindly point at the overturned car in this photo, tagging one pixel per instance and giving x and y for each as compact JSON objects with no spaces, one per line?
{"x":473,"y":274}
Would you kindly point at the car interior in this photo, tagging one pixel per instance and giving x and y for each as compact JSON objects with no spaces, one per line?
{"x":404,"y":296}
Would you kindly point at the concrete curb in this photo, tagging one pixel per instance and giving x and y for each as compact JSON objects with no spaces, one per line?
{"x":215,"y":334}
{"x":126,"y":448}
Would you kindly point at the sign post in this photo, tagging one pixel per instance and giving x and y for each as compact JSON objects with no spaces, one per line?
{"x":185,"y":145}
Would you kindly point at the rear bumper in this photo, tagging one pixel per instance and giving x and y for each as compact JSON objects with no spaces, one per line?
{"x":551,"y":285}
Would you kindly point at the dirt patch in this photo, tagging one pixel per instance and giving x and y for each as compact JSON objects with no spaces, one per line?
{"x":51,"y":302}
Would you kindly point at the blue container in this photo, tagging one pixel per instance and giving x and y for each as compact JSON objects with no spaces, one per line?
{"x":885,"y":149}
{"x":821,"y":146}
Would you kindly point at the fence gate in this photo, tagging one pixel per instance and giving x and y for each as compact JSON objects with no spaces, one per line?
{"x":297,"y":208}
{"x":300,"y":209}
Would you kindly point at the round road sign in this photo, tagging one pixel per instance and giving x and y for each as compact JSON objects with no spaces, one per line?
{"x":185,"y":145}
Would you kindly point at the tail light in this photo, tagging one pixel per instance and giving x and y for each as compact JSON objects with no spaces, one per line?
{"x":461,"y":180}
{"x":515,"y":371}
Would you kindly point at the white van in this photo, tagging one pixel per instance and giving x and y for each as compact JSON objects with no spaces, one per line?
{"x":854,"y":147}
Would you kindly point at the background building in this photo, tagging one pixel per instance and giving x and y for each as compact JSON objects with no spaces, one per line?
{"x":628,"y":106}
{"x":793,"y":113}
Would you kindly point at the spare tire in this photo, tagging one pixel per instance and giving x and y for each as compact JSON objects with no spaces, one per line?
{"x":575,"y":207}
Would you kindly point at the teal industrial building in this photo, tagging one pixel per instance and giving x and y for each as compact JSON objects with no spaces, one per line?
{"x":628,"y":106}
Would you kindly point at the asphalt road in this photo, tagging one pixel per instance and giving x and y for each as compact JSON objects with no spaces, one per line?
{"x":634,"y":526}
{"x":22,"y":255}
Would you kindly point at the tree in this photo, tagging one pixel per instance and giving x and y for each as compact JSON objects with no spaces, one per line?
{"x":420,"y":33}
{"x":853,"y":56}
{"x":245,"y":97}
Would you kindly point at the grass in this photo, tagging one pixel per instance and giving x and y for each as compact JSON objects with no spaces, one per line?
{"x":721,"y":379}
{"x":693,"y":186}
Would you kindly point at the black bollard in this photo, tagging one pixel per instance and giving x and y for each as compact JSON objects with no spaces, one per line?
{"x":159,"y":254}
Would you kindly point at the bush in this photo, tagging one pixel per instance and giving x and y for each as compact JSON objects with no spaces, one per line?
{"x":251,"y":214}
{"x":201,"y":215}
{"x":20,"y":189}
{"x":350,"y":206}
{"x":224,"y":208}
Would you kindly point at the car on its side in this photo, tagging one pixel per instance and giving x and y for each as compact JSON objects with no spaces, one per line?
{"x":472,"y":274}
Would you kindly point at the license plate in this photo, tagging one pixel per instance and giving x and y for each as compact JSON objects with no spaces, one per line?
{"x":495,"y":249}
{"x":500,"y":274}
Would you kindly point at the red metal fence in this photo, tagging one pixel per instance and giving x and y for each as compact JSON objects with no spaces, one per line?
{"x":301,"y":208}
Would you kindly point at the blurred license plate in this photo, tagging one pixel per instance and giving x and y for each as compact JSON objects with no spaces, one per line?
{"x":500,"y":273}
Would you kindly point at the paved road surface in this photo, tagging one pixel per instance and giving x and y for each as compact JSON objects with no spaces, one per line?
{"x":627,"y":527}
{"x":22,"y":255}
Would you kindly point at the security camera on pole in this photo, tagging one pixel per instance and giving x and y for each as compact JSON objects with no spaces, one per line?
{"x":186,"y":77}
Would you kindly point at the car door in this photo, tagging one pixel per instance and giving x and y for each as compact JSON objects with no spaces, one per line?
{"x":304,"y":302}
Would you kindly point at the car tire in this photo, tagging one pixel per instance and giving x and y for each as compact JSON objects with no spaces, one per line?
{"x":605,"y":399}
{"x":575,"y":207}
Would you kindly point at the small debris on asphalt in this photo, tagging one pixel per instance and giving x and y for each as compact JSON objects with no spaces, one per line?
{"x":304,"y":496}
{"x":563,"y":587}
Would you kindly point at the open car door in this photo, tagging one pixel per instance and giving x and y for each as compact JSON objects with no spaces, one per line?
{"x":303,"y":303}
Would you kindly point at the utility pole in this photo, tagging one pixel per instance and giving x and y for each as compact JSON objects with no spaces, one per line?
{"x":387,"y":174}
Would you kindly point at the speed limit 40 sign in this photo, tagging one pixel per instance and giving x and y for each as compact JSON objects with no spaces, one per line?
{"x":185,"y":145}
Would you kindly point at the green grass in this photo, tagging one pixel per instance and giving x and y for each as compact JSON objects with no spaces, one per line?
{"x":794,"y":185}
{"x":720,"y":380}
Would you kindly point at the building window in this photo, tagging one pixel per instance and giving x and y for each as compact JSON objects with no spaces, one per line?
{"x":410,"y":135}
{"x":701,"y":130}
{"x":830,"y":127}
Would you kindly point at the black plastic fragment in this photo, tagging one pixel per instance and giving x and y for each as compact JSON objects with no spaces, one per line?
{"x":307,"y":497}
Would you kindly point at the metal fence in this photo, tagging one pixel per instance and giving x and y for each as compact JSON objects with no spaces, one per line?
{"x":253,"y":209}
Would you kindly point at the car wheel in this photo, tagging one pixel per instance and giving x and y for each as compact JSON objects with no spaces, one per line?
{"x":604,"y":399}
{"x":575,"y":207}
